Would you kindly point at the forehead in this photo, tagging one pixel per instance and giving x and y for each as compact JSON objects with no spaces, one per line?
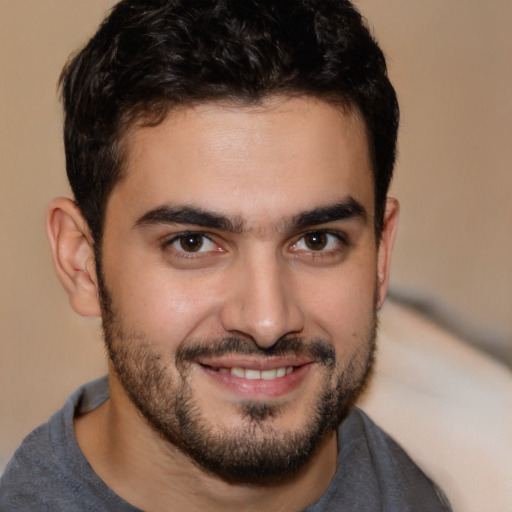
{"x":277,"y":158}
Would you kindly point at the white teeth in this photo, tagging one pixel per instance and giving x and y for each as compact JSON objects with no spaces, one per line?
{"x":238,"y":372}
{"x":268,"y":374}
{"x":250,"y":374}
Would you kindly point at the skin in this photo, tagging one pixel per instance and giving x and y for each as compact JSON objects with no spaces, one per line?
{"x":263,"y":278}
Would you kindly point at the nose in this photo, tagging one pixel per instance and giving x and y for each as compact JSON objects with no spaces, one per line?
{"x":262,"y":301}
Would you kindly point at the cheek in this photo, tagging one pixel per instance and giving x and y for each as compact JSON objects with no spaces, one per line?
{"x":344,"y":306}
{"x":161,"y":307}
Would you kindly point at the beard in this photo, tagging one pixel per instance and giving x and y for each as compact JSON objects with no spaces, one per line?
{"x":254,"y":451}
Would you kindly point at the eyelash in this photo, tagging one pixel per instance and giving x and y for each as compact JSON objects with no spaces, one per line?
{"x":182,"y":236}
{"x":341,"y":239}
{"x":342,"y":243}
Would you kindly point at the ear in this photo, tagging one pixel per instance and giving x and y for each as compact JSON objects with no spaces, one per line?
{"x":387,"y":242}
{"x":73,"y":255}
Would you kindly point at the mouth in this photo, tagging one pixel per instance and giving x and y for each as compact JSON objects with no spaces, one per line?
{"x":254,"y":379}
{"x":254,"y":374}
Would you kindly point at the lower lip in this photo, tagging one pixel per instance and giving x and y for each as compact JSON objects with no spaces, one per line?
{"x":259,"y":389}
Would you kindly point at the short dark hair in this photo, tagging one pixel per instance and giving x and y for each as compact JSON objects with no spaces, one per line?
{"x":150,"y":55}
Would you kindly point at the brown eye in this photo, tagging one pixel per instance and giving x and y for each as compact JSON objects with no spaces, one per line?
{"x":316,"y":241}
{"x":191,"y":242}
{"x":190,"y":246}
{"x":320,"y":243}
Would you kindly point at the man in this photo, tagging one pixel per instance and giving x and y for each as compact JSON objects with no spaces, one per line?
{"x":230,"y":163}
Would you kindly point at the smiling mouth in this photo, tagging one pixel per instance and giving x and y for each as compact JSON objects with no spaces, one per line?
{"x":258,"y":380}
{"x":253,"y":374}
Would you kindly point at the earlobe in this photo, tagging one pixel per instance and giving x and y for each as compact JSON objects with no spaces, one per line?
{"x":386,"y":248}
{"x":73,"y":255}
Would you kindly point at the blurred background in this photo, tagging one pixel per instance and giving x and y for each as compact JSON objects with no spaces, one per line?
{"x":451,"y":65}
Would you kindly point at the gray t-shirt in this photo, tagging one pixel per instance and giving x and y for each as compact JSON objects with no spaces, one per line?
{"x":49,"y":472}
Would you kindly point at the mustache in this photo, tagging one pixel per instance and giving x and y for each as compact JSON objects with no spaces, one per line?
{"x":316,"y":349}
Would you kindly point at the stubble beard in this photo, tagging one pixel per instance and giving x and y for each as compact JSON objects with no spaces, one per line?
{"x":253,"y":452}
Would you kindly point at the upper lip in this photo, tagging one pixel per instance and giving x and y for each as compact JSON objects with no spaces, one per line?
{"x":253,"y":363}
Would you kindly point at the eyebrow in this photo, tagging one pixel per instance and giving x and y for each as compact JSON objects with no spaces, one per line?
{"x":189,"y":215}
{"x":346,"y":209}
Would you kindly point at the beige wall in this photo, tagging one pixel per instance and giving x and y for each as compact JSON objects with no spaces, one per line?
{"x":452,"y":66}
{"x":450,"y":62}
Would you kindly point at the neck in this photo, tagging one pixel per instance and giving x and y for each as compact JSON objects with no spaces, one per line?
{"x":148,"y":472}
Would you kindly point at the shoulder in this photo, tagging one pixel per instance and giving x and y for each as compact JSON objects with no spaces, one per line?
{"x":359,"y":428}
{"x":448,"y":405}
{"x":33,"y":471}
{"x":385,"y":477}
{"x":47,"y":471}
{"x":387,"y":457}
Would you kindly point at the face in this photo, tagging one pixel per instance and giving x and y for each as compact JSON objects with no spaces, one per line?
{"x":239,"y":280}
